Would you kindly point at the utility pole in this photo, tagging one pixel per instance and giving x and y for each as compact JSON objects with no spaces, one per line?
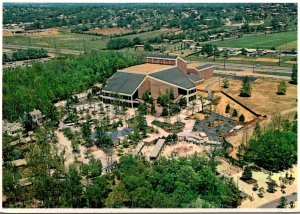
{"x":279,"y":57}
{"x":83,"y":45}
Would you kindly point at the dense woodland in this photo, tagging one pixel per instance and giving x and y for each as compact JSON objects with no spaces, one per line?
{"x":274,"y":149}
{"x":39,"y":86}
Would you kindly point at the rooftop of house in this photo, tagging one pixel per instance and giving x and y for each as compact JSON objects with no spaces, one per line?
{"x":146,"y":68}
{"x":162,"y":56}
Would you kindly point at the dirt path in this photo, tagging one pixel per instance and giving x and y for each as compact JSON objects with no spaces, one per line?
{"x":65,"y":145}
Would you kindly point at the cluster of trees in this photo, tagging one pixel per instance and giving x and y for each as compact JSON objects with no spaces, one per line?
{"x":276,"y":148}
{"x":80,"y":29}
{"x":39,"y":86}
{"x":24,"y":55}
{"x":120,"y":43}
{"x":234,"y":113}
{"x":167,"y":102}
{"x":168,"y":183}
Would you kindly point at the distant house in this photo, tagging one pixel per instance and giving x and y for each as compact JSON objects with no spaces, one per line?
{"x":36,"y":115}
{"x":203,"y":26}
{"x":12,"y":129}
{"x":268,"y":28}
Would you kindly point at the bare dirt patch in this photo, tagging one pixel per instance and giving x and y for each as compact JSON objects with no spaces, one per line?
{"x":109,"y":31}
{"x":264,"y":99}
{"x":266,"y":60}
{"x":46,"y":32}
{"x":236,"y":58}
{"x":291,"y":62}
{"x":183,"y":149}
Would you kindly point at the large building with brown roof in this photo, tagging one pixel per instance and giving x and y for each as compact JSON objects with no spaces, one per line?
{"x":159,"y":74}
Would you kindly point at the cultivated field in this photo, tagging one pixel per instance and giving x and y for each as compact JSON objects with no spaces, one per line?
{"x":264,"y":99}
{"x":261,"y":41}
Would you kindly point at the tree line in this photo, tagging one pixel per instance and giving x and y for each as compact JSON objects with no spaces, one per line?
{"x":30,"y":53}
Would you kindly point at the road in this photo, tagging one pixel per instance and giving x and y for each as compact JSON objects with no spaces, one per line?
{"x":274,"y":203}
{"x":250,"y":67}
{"x":251,"y":74}
{"x":53,"y":50}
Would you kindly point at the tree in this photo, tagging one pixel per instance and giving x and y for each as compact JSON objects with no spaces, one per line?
{"x":142,"y":109}
{"x":281,"y":89}
{"x":294,"y":74}
{"x":242,"y":118}
{"x":227,"y":109}
{"x":282,"y":203}
{"x":247,"y":174}
{"x":148,"y":47}
{"x":182,"y":103}
{"x":261,"y":192}
{"x":208,"y":49}
{"x":136,"y":41}
{"x":86,"y":131}
{"x":171,"y":95}
{"x":271,"y":186}
{"x":255,"y":187}
{"x":244,"y":51}
{"x":234,"y":113}
{"x":225,"y":83}
{"x":257,"y":130}
{"x":165,"y":111}
{"x":246,"y":88}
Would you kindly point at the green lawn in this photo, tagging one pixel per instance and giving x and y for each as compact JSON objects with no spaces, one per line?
{"x":261,"y":41}
{"x":73,"y":41}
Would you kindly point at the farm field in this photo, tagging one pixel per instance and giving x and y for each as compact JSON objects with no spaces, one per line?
{"x":261,"y":41}
{"x":264,"y":99}
{"x":66,"y":40}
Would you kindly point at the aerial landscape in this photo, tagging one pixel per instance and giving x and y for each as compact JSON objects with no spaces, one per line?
{"x":143,"y":105}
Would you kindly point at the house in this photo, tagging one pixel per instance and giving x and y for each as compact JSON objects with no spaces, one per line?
{"x":36,"y":115}
{"x":203,"y":26}
{"x":12,"y":129}
{"x":159,"y":74}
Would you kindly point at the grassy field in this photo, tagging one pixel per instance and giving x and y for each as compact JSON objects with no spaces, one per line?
{"x":262,"y":41}
{"x":73,"y":41}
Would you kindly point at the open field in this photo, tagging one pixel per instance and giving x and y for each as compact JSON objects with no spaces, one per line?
{"x":66,"y":40}
{"x":261,"y":41}
{"x":264,"y":99}
{"x":289,"y":46}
